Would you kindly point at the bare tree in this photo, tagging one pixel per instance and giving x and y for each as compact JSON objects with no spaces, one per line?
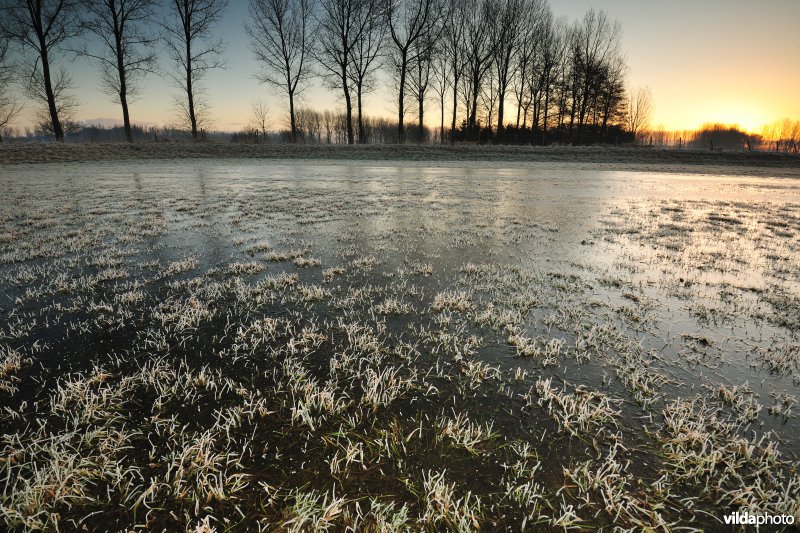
{"x":597,"y":40}
{"x":259,"y":116}
{"x":488,"y":97}
{"x":328,"y":125}
{"x":639,"y":109}
{"x":281,"y":38}
{"x":9,"y":107}
{"x":441,"y":82}
{"x":409,"y":21}
{"x":553,"y":42}
{"x":66,"y":105}
{"x":790,"y":135}
{"x":194,"y":50}
{"x":341,"y":25}
{"x":611,"y":99}
{"x":365,"y":54}
{"x":126,"y":50}
{"x":478,"y":50}
{"x":419,"y":80}
{"x":41,"y":28}
{"x":452,"y":48}
{"x":509,"y":32}
{"x":529,"y":42}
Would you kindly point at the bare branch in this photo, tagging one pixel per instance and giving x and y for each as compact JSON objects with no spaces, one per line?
{"x":194,"y":52}
{"x":41,"y":30}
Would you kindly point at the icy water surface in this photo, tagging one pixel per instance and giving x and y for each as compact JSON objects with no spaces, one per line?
{"x":217,"y":345}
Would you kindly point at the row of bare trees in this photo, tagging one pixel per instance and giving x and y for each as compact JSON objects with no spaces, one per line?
{"x":330,"y":127}
{"x":480,"y":55}
{"x":46,"y":32}
{"x":564,"y":80}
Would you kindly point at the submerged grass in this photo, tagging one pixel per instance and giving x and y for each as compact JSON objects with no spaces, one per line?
{"x":206,"y":354}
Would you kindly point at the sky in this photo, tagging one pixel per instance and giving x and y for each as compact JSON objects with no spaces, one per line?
{"x":730,"y":61}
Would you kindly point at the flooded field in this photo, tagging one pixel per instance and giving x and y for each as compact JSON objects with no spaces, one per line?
{"x":227,"y":345}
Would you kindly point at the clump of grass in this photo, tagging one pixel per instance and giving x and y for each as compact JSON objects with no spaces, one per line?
{"x":742,"y":399}
{"x":283,"y":280}
{"x":365,"y":262}
{"x":198,"y":472}
{"x":290,"y":255}
{"x":314,"y":293}
{"x":546,"y":349}
{"x":453,"y":301}
{"x":259,"y":247}
{"x":783,"y":405}
{"x":462,"y":432}
{"x":329,"y":274}
{"x":499,"y":318}
{"x":305,"y":262}
{"x":129,"y":297}
{"x":382,"y":387}
{"x":313,"y":510}
{"x":10,"y":363}
{"x":477,"y":372}
{"x":580,"y":411}
{"x":251,"y":267}
{"x":782,"y":358}
{"x":179,"y":267}
{"x":388,"y":516}
{"x":182,"y":315}
{"x":109,"y":274}
{"x":394,"y":306}
{"x":422,"y":269}
{"x":608,"y":486}
{"x":443,"y":507}
{"x":705,"y":451}
{"x":310,"y":403}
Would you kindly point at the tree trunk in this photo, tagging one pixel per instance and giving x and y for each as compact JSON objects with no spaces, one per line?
{"x":401,"y":130}
{"x":473,"y":114}
{"x":58,"y":129}
{"x":441,"y":127}
{"x":583,"y":109}
{"x":500,"y":106}
{"x":292,"y":118}
{"x":123,"y":84}
{"x":126,"y":118}
{"x":362,"y":134}
{"x":544,"y":122}
{"x":455,"y":110}
{"x":571,"y":119}
{"x":421,"y":134}
{"x":189,"y":90}
{"x":348,"y":107}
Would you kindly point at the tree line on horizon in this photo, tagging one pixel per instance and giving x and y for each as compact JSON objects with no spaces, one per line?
{"x":329,"y":127}
{"x":778,"y":136}
{"x":563,"y":80}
